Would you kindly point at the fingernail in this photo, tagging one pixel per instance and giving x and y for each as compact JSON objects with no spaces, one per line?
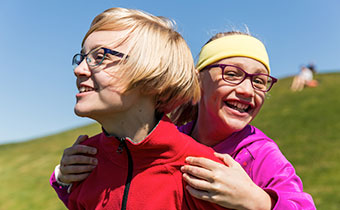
{"x":95,"y":161}
{"x":94,"y":151}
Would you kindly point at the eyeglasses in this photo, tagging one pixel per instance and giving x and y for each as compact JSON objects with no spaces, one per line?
{"x":235,"y":75}
{"x":95,"y":57}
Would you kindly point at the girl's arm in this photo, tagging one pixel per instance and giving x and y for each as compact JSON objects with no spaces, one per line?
{"x":275,"y":174}
{"x":226,"y":185}
{"x":75,"y":165}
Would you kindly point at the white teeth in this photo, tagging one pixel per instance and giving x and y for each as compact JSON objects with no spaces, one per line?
{"x":85,"y":89}
{"x":238,"y":106}
{"x":82,"y":89}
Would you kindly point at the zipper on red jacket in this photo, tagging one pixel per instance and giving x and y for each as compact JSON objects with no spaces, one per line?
{"x":120,"y":149}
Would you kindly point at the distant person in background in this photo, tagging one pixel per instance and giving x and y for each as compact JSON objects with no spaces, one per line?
{"x":234,"y":75}
{"x":304,"y":78}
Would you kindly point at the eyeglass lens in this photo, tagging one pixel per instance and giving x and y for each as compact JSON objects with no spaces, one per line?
{"x":96,"y":57}
{"x":235,"y":75}
{"x":93,"y":58}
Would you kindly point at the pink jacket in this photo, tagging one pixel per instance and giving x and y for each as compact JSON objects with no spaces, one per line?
{"x":263,"y":161}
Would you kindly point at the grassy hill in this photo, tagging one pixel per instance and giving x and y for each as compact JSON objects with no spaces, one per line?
{"x":305,"y":125}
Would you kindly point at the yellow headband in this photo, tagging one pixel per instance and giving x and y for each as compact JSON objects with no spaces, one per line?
{"x":233,"y":46}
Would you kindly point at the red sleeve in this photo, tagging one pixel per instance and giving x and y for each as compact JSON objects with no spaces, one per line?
{"x":200,"y":150}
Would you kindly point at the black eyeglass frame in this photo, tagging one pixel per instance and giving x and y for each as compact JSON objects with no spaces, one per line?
{"x":246,"y":75}
{"x":76,"y":62}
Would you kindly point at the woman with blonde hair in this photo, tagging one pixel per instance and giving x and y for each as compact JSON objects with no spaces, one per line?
{"x":132,"y":69}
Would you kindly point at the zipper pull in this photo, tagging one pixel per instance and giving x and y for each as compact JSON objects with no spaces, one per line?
{"x":121,"y":146}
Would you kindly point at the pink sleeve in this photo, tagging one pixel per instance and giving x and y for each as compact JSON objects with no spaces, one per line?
{"x":61,"y":191}
{"x":276,"y":175}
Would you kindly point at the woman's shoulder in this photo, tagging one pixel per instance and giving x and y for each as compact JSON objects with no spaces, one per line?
{"x":255,"y":151}
{"x":255,"y":146}
{"x":250,"y":138}
{"x":260,"y":146}
{"x":93,"y":140}
{"x":256,"y":141}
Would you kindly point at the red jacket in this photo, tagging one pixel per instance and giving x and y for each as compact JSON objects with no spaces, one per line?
{"x":140,"y":176}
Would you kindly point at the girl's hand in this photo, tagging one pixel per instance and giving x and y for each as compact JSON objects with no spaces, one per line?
{"x":76,"y":163}
{"x":226,"y":185}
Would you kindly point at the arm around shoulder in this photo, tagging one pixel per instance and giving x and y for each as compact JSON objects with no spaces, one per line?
{"x":276,"y":175}
{"x":59,"y":188}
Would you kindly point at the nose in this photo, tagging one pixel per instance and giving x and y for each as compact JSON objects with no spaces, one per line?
{"x":245,"y":88}
{"x":82,"y":69}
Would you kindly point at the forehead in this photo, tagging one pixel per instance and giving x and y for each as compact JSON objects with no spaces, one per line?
{"x":111,"y":39}
{"x":248,"y":64}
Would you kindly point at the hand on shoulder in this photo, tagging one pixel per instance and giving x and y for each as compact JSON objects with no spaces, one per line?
{"x":226,"y":185}
{"x":76,"y":163}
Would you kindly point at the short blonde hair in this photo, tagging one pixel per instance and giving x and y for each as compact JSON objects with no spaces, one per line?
{"x":159,"y":62}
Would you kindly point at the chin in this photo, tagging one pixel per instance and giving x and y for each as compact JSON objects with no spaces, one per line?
{"x":236,"y":124}
{"x":80,"y":113}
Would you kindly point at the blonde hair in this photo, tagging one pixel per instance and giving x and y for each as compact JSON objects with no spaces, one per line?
{"x":159,"y":63}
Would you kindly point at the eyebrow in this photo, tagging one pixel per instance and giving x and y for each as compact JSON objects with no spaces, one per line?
{"x":257,"y":71}
{"x":261,"y":71}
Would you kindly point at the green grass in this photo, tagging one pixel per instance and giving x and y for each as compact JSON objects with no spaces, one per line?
{"x":304,"y":124}
{"x":306,"y":127}
{"x":25,"y":169}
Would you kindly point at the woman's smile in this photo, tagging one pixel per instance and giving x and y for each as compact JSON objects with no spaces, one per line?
{"x":241,"y":107}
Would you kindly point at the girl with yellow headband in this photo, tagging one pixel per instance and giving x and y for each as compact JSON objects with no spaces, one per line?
{"x":234,"y":70}
{"x":234,"y":77}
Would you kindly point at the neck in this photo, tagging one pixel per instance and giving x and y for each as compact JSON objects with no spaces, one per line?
{"x":135,"y":123}
{"x":207,"y":132}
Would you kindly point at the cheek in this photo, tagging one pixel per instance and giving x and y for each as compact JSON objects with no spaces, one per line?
{"x":209,"y":94}
{"x":219,"y":93}
{"x":106,"y":81}
{"x":259,"y":100}
{"x":214,"y":99}
{"x":211,"y":87}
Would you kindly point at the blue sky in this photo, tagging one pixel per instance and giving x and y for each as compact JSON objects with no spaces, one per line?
{"x":39,"y":38}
